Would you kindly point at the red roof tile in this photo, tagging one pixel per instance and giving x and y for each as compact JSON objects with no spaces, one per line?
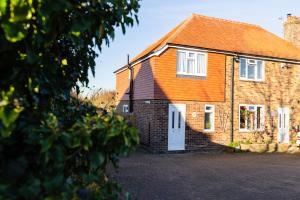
{"x":225,"y":35}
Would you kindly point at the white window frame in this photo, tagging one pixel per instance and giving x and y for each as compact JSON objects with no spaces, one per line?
{"x":213,"y":117}
{"x":262,"y":128}
{"x":195,"y":62}
{"x":255,"y":71}
{"x":125,"y":108}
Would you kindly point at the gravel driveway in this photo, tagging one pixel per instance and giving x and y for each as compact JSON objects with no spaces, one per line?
{"x":210,"y":176}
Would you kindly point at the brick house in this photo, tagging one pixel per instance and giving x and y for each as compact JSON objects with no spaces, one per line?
{"x":211,"y":81}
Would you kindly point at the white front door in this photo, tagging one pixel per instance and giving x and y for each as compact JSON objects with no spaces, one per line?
{"x":176,"y":127}
{"x":283,"y":125}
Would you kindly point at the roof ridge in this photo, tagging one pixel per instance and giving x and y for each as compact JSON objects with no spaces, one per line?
{"x":226,"y":20}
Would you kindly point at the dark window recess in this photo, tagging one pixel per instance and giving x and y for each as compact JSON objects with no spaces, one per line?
{"x":179,"y":119}
{"x":173,"y":119}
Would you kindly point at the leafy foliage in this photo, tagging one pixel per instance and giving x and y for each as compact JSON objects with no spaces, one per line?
{"x":53,"y":146}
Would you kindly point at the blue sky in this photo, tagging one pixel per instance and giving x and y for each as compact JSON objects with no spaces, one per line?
{"x":157,"y":17}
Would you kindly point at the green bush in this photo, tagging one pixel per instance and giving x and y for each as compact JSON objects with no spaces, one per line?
{"x":53,"y":146}
{"x":234,"y":144}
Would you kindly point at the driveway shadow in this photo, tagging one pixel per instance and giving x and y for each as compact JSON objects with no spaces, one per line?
{"x":210,"y":176}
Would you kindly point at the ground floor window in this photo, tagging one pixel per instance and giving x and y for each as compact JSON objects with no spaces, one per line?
{"x":251,"y":117}
{"x":125,"y":108}
{"x":209,"y":122}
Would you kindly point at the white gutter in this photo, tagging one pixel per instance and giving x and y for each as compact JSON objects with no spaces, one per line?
{"x":154,"y":53}
{"x":165,"y":47}
{"x":234,"y":54}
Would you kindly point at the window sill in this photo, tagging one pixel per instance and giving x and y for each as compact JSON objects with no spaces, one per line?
{"x":208,"y":131}
{"x":191,"y":76}
{"x":251,"y":80}
{"x":250,"y":131}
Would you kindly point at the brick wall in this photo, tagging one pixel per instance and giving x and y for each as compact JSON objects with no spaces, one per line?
{"x":168,"y":86}
{"x":143,"y":81}
{"x":142,"y":118}
{"x":122,"y":85}
{"x":155,"y":114}
{"x":281,"y":88}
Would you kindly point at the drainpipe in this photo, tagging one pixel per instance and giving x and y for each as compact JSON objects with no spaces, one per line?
{"x":130,"y":86}
{"x":234,"y":59}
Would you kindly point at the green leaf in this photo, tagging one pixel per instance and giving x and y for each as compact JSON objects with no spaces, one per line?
{"x":31,"y":188}
{"x":54,"y":182}
{"x":64,"y":61}
{"x":20,"y":10}
{"x":96,"y":159}
{"x":14,"y":32}
{"x":46,"y":144}
{"x":3,"y":5}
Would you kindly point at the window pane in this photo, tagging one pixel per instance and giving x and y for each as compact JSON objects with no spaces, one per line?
{"x":181,"y":62}
{"x":192,"y":55}
{"x":201,"y":68}
{"x":190,"y":66}
{"x":243,"y":113}
{"x":251,"y":71}
{"x":243,"y":68}
{"x":208,"y":108}
{"x":250,"y":120}
{"x":258,"y":117}
{"x":251,"y":108}
{"x":259,"y":69}
{"x":207,"y":121}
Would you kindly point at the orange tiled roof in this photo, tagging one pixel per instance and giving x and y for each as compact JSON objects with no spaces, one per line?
{"x":225,"y":35}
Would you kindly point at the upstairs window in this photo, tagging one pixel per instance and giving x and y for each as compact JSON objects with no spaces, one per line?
{"x":251,"y":118}
{"x":251,"y":69}
{"x":191,"y":63}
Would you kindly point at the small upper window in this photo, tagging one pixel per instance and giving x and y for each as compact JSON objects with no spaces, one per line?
{"x":209,"y":118}
{"x":125,"y":108}
{"x":251,"y":69}
{"x":191,"y":63}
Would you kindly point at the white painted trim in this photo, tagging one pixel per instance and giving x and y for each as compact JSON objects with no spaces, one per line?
{"x":282,"y":110}
{"x":255,"y":72}
{"x":195,"y":60}
{"x":162,"y":49}
{"x":212,"y":129}
{"x":154,"y":53}
{"x":182,"y":109}
{"x":125,"y":108}
{"x":245,"y":129}
{"x":120,"y":70}
{"x":234,"y":54}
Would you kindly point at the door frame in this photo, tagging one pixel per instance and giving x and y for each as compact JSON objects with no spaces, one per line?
{"x":283,"y":110}
{"x":182,"y":108}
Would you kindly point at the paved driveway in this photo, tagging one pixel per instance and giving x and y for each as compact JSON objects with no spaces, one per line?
{"x":211,"y":176}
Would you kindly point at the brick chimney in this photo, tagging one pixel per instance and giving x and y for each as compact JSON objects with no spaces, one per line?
{"x":292,"y":30}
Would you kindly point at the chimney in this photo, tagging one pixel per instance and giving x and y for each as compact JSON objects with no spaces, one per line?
{"x":292,"y":30}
